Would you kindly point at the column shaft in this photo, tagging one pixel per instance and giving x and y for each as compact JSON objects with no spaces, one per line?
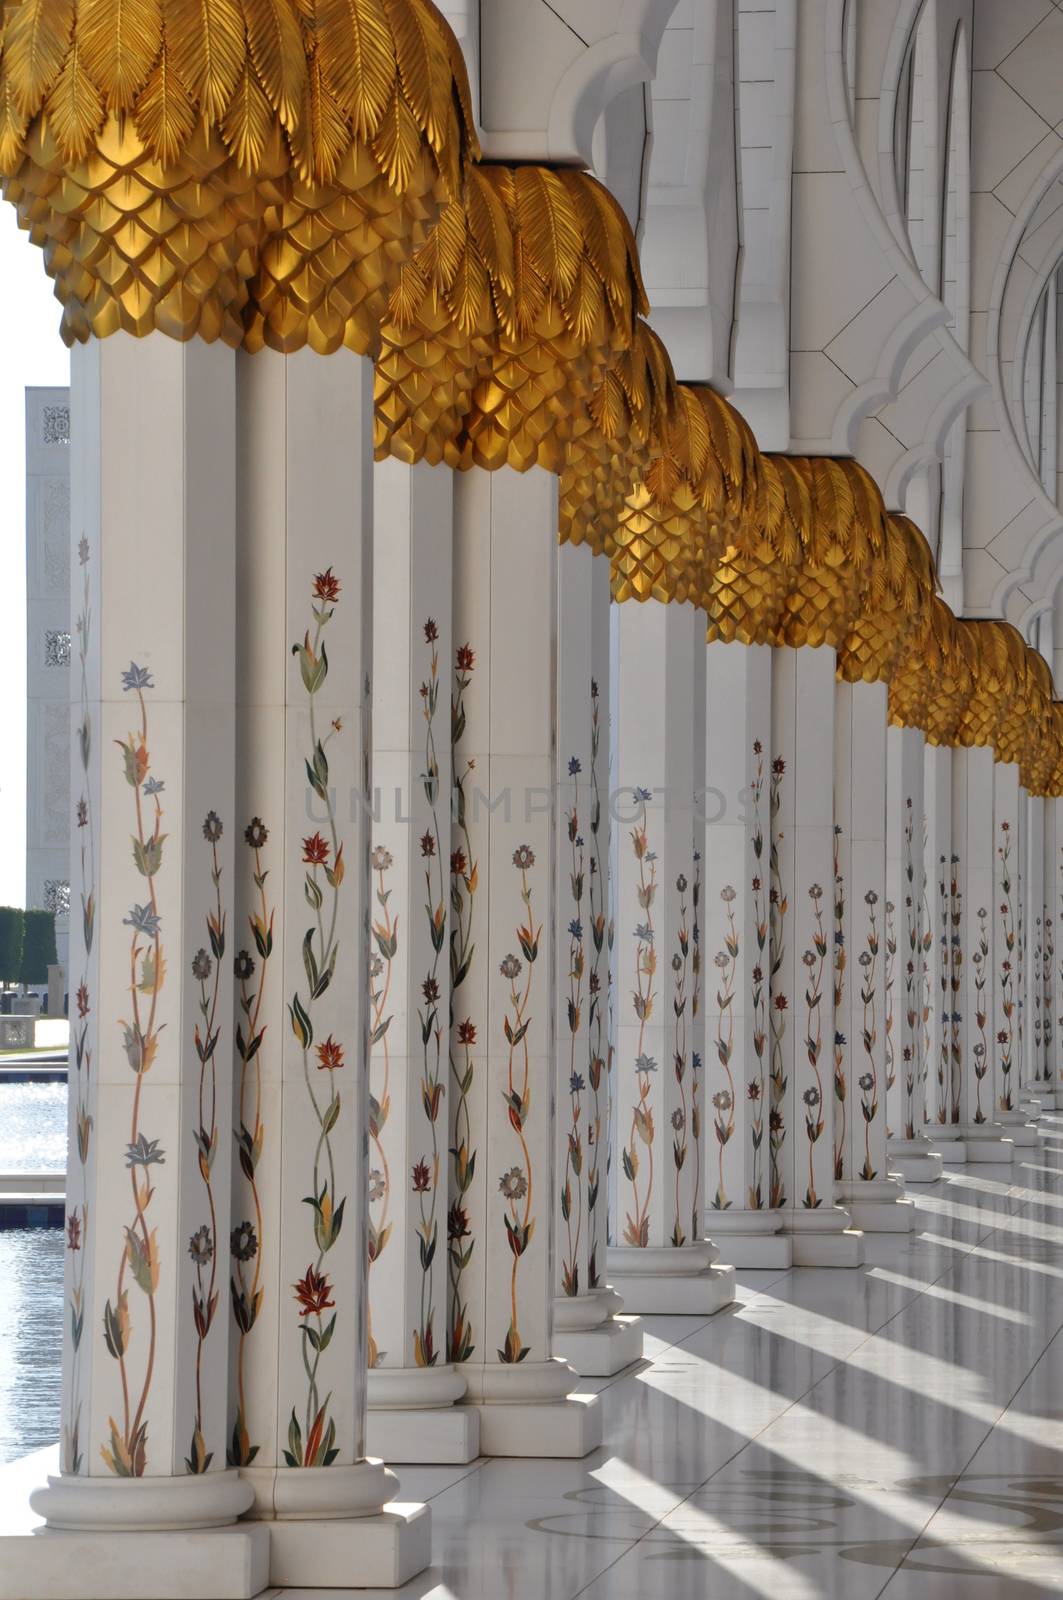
{"x":504,"y":1039}
{"x":300,"y":1266}
{"x":587,"y":1331}
{"x":412,"y":1387}
{"x":1007,"y":978}
{"x":736,"y":916}
{"x":910,"y":1151}
{"x":661,"y":1260}
{"x":862,"y":1182}
{"x":802,"y":968}
{"x":145,"y":1368}
{"x":973,"y":900}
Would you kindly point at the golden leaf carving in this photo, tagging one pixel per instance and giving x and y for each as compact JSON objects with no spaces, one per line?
{"x":276,"y":45}
{"x":549,"y":227}
{"x":75,"y":108}
{"x":247,"y":122}
{"x":354,"y":43}
{"x":165,"y":114}
{"x":397,"y":141}
{"x":118,"y":43}
{"x":36,"y":40}
{"x":322,"y":137}
{"x":209,"y":45}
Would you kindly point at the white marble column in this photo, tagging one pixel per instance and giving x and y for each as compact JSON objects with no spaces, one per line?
{"x":910,"y":1151}
{"x":974,"y":901}
{"x":940,"y":938}
{"x":503,"y":1177}
{"x":1007,"y":985}
{"x":1053,"y":950}
{"x":874,"y":1199}
{"x":145,"y":1347}
{"x":299,"y":1263}
{"x":1035,"y":1077}
{"x":660,"y":1259}
{"x":739,"y":787}
{"x":588,"y":1332}
{"x":802,"y":1029}
{"x":412,"y":1387}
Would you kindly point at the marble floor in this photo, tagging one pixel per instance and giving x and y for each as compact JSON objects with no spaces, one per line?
{"x":896,"y":1431}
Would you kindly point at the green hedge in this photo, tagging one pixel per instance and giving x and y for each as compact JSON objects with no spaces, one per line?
{"x":38,"y":946}
{"x":12,"y":924}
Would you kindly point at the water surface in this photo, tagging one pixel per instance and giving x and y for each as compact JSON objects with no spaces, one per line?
{"x":32,"y":1127}
{"x":31,"y":1331}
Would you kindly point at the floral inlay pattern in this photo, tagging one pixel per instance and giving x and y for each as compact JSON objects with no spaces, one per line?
{"x":723,"y":1100}
{"x":516,"y":1185}
{"x":868,"y":1080}
{"x":427,"y":1169}
{"x":943,"y":1041}
{"x":815,"y":962}
{"x":464,"y":882}
{"x":759,"y":995}
{"x":641,"y":1139}
{"x":779,"y":905}
{"x":911,"y":977}
{"x":82,"y":1039}
{"x":1006,"y":1033}
{"x":571,"y":1196}
{"x":312,"y":1437}
{"x":385,"y":949}
{"x":841,"y":1085}
{"x":126,"y":1454}
{"x":1048,"y":966}
{"x":246,"y":1290}
{"x":955,"y":986}
{"x":202,"y":1247}
{"x":599,"y":1047}
{"x":980,"y":1047}
{"x":680,"y":1119}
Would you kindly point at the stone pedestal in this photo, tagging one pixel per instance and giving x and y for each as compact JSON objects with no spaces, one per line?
{"x":878,"y":1206}
{"x":592,"y":1336}
{"x":660,"y":1259}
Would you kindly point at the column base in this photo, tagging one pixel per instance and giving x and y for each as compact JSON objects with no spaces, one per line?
{"x":529,"y":1409}
{"x":380,"y":1552}
{"x":750,"y":1238}
{"x":916,"y":1160}
{"x":132,"y":1536}
{"x":444,"y":1436}
{"x":948,"y":1141}
{"x":987,"y":1142}
{"x":569,"y":1428}
{"x":227,"y":1563}
{"x":666,"y":1282}
{"x":823,"y":1238}
{"x":878,"y":1206}
{"x":1018,"y":1127}
{"x":413,"y":1416}
{"x":603,"y":1351}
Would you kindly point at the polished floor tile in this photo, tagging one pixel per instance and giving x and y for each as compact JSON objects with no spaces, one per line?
{"x":894,"y":1432}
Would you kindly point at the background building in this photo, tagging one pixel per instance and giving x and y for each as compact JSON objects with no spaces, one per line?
{"x":48,"y":656}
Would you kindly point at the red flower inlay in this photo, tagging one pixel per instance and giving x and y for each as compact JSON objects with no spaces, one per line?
{"x":315,"y":850}
{"x":329,"y":1055}
{"x":313,"y":1293}
{"x":326,"y":586}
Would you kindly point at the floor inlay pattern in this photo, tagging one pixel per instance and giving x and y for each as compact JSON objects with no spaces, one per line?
{"x":893,"y":1431}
